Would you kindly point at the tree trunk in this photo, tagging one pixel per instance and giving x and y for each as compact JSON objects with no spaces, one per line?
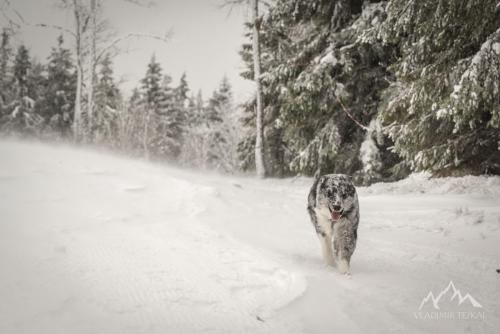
{"x":145,"y":138}
{"x":77,"y":121}
{"x":259,"y":149}
{"x":92,"y":67}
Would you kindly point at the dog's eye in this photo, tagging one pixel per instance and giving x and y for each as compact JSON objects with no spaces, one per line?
{"x":344,"y":196}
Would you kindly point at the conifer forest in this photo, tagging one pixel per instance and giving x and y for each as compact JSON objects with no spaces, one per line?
{"x":375,"y":89}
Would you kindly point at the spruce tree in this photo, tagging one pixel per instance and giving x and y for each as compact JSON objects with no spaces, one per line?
{"x":193,"y":151}
{"x":134,"y":129}
{"x":5,"y":57}
{"x":162,"y":135}
{"x":21,"y":116}
{"x":107,"y":105}
{"x":191,"y":112}
{"x":37,"y":91}
{"x":171,"y":123}
{"x":181,"y":91}
{"x":57,"y":105}
{"x":154,"y":103}
{"x":221,"y":139}
{"x":443,"y":110}
{"x":200,"y":106}
{"x":151,"y":86}
{"x":322,"y":58}
{"x":220,"y":97}
{"x":22,"y":67}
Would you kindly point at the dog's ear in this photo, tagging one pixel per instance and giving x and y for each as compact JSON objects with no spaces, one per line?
{"x":317,"y":174}
{"x":322,"y":182}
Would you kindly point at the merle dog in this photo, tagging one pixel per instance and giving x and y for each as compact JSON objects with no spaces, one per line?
{"x":334,"y":210}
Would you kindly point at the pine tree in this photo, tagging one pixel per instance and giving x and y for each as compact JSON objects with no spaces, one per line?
{"x":191,"y":112}
{"x":221,"y":138}
{"x":21,"y":116}
{"x":135,"y":120}
{"x":107,"y":106}
{"x":22,"y":67}
{"x":37,"y":81}
{"x":57,"y":105}
{"x":37,"y":91}
{"x":212,"y":135}
{"x":200,"y":106}
{"x":323,"y":72}
{"x":5,"y":57}
{"x":219,"y":99}
{"x":213,"y":117}
{"x":171,"y":123}
{"x":154,"y":103}
{"x":443,"y":110}
{"x":151,"y":86}
{"x":181,"y":91}
{"x":193,"y":152}
{"x":162,"y":135}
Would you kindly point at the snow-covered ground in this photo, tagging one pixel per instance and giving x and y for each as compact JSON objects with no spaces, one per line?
{"x":91,"y":243}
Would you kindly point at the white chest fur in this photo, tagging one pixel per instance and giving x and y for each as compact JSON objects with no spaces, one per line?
{"x":323,"y":216}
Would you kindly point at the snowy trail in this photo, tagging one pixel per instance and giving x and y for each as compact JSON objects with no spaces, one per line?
{"x":93,"y":243}
{"x":409,"y":244}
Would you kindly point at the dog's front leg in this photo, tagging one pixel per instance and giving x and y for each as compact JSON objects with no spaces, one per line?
{"x":344,"y":243}
{"x":326,"y":247}
{"x":325,"y":238}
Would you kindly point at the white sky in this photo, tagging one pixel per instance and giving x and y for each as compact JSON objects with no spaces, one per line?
{"x":205,"y":42}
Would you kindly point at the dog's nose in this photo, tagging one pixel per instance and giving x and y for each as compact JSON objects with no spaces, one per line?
{"x":336,"y":208}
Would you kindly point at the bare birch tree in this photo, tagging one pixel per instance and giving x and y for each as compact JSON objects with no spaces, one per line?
{"x":92,"y":63}
{"x":259,"y":140}
{"x":259,"y":114}
{"x":79,"y":30}
{"x":99,"y":45}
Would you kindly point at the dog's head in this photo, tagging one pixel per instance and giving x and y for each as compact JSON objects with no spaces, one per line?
{"x":336,"y":193}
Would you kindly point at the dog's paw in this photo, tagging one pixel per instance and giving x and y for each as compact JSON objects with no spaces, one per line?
{"x":329,"y":260}
{"x":328,"y":264}
{"x":343,"y":267}
{"x":345,"y":273}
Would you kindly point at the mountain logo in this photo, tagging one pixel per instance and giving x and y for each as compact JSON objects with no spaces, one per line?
{"x":455,"y":295}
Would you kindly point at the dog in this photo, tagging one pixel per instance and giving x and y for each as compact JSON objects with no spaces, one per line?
{"x":333,"y":207}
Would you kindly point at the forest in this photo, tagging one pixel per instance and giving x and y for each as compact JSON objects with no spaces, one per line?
{"x":374,"y":89}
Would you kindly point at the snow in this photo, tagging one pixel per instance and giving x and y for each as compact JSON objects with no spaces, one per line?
{"x":368,"y":152}
{"x":444,"y":112}
{"x":496,"y":46}
{"x":92,"y":243}
{"x":422,"y":183}
{"x":471,"y":74}
{"x":329,"y":58}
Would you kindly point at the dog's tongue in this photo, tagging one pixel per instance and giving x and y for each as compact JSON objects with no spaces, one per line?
{"x":336,"y":215}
